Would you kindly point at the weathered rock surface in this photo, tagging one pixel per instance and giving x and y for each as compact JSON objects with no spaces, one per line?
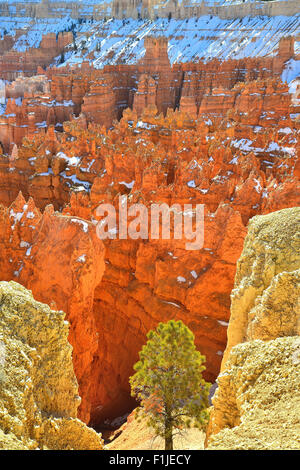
{"x":65,"y":265}
{"x":208,"y":90}
{"x":236,"y":169}
{"x":257,"y":406}
{"x":28,"y":61}
{"x":257,"y":403}
{"x":265,"y":300}
{"x":224,"y":133}
{"x":61,"y":260}
{"x":38,"y":388}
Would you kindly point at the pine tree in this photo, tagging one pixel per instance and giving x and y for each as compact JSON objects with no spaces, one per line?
{"x":168,"y":381}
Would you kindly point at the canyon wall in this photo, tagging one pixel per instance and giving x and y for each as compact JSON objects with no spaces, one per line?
{"x":38,"y":388}
{"x":14,"y":62}
{"x":112,"y":41}
{"x":265,"y":301}
{"x":223,"y":133}
{"x":35,"y":249}
{"x":238,"y":166}
{"x":147,"y":9}
{"x":256,"y":405}
{"x":202,"y":90}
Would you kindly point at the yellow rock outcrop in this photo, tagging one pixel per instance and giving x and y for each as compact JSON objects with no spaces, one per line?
{"x":257,"y":403}
{"x":38,"y":388}
{"x":265,"y":300}
{"x":258,"y":400}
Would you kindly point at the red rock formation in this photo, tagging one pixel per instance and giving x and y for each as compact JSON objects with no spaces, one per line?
{"x":61,"y":260}
{"x":145,"y":95}
{"x":153,"y":158}
{"x":208,"y":89}
{"x":12,"y":61}
{"x":285,"y":52}
{"x":156,"y":56}
{"x":232,"y":145}
{"x":99,"y":104}
{"x":30,"y":115}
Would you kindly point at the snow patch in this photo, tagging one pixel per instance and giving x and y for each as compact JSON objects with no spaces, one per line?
{"x":85,"y":226}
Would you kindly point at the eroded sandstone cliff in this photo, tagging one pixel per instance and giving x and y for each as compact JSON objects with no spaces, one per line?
{"x":265,"y":300}
{"x":38,"y":388}
{"x":239,"y":165}
{"x":61,"y":260}
{"x":205,"y":90}
{"x":224,"y":133}
{"x":257,"y":403}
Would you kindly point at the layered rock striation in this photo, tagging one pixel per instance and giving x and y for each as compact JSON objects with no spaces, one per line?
{"x":203,"y":90}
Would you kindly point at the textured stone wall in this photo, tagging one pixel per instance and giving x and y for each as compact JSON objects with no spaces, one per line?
{"x":258,"y":401}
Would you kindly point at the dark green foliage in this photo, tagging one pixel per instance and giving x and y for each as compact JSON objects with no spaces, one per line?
{"x":168,"y":381}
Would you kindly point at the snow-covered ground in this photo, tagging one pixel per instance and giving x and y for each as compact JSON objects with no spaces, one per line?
{"x":291,"y":71}
{"x":291,"y":75}
{"x":122,"y":41}
{"x":205,"y":37}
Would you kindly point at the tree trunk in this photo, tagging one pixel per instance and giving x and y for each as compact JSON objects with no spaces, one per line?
{"x":168,"y":433}
{"x":169,"y":442}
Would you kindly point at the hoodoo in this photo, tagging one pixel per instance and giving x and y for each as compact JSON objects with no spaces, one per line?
{"x":110,"y":111}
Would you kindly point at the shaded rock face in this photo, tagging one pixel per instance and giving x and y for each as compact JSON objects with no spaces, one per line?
{"x":257,"y":403}
{"x":38,"y":388}
{"x":12,"y":61}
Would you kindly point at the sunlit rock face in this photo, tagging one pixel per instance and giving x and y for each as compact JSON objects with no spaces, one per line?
{"x":267,"y":275}
{"x":38,"y":387}
{"x":61,"y":260}
{"x":136,"y":284}
{"x":256,"y":405}
{"x":132,"y":108}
